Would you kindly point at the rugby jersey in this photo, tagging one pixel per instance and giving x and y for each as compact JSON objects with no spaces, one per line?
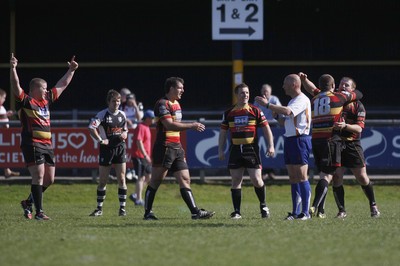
{"x":353,"y":114}
{"x":110,"y":126}
{"x":327,"y":109}
{"x":35,"y":118}
{"x":166,"y":109}
{"x":243,"y":123}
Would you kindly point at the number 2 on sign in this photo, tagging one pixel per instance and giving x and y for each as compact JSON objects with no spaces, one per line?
{"x":250,"y":18}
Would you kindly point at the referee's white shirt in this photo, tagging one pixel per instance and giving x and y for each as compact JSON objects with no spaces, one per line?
{"x":299,"y":122}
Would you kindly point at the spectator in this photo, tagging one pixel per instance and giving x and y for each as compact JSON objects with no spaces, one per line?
{"x":4,"y":115}
{"x":124,"y":92}
{"x":108,"y":129}
{"x":142,"y":155}
{"x":243,"y":120}
{"x":36,"y":142}
{"x":266,"y":91}
{"x":133,"y":111}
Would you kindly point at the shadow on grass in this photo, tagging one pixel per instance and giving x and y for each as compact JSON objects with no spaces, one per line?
{"x":157,"y":224}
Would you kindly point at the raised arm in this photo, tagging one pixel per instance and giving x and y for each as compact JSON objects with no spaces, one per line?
{"x":66,"y":79}
{"x":352,"y":96}
{"x":14,"y":79}
{"x":308,"y":85}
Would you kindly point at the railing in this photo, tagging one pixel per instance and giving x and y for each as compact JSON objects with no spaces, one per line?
{"x":207,"y":122}
{"x":381,"y":139}
{"x":75,"y":117}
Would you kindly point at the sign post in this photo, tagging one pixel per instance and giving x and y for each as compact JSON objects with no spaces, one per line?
{"x":237,"y":20}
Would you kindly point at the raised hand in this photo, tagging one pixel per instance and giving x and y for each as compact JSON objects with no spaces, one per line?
{"x":73,"y":65}
{"x":13,"y":61}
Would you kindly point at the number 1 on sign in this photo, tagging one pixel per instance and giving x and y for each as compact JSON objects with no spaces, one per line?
{"x":250,"y":18}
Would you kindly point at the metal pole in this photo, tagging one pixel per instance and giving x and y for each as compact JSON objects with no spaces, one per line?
{"x":237,"y":62}
{"x":12,"y":44}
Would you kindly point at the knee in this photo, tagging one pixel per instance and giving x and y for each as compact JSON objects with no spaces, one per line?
{"x":155,"y":183}
{"x":185,"y":180}
{"x":102,"y":184}
{"x":259,"y":183}
{"x":48,"y":182}
{"x":363,"y":180}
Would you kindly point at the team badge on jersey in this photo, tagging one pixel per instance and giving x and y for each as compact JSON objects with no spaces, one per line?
{"x":241,"y":120}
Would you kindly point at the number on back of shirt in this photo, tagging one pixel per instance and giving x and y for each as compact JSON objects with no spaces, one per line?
{"x":322,"y":106}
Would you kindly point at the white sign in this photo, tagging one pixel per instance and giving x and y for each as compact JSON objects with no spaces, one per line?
{"x":237,"y":20}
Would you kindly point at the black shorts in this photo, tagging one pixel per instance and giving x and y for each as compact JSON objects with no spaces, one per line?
{"x":327,"y":154}
{"x":353,"y":155}
{"x":141,"y":166}
{"x":170,"y":158}
{"x":35,"y":155}
{"x":245,"y":155}
{"x":112,"y":155}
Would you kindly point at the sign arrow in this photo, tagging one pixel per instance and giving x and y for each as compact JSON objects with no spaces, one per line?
{"x":248,"y":31}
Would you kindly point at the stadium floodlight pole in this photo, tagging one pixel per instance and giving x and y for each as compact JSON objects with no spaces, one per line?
{"x":12,"y":43}
{"x":237,"y":66}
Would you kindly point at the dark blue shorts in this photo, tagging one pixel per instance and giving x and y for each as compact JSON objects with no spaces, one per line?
{"x":297,"y":149}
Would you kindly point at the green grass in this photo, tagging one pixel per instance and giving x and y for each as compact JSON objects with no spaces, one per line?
{"x":74,"y":238}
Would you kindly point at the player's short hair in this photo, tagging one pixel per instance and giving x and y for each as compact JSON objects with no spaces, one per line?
{"x":112,"y":94}
{"x":172,"y":82}
{"x":326,"y":82}
{"x":240,"y":86}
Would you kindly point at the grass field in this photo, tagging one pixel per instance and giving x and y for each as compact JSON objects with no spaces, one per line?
{"x":74,"y":238}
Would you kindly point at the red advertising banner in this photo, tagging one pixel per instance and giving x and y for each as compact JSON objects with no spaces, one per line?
{"x":73,"y":148}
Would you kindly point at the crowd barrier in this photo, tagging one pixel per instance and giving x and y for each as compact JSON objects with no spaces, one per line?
{"x":74,"y":148}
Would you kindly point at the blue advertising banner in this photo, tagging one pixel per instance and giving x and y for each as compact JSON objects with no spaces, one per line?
{"x":381,"y":148}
